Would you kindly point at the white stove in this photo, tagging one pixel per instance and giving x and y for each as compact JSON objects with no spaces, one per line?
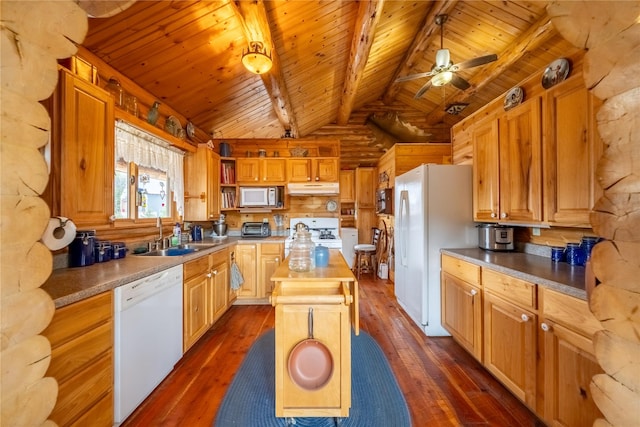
{"x":324,"y":231}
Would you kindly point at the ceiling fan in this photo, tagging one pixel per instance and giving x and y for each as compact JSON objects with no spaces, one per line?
{"x":444,"y":71}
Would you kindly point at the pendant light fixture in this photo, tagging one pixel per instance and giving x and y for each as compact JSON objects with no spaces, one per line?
{"x":257,"y":59}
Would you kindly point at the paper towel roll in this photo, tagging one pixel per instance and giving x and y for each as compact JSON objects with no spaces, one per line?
{"x":59,"y":233}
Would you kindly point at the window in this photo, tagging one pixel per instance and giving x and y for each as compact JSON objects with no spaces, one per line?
{"x":148,"y":171}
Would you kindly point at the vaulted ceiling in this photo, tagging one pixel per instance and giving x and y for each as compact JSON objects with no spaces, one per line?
{"x":335,"y":62}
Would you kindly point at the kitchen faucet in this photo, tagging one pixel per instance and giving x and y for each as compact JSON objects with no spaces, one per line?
{"x":160,"y":242}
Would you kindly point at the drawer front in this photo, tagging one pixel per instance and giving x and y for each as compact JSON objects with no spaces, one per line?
{"x":513,"y":289}
{"x":271,"y":248}
{"x":219,"y":257}
{"x":461,"y":269}
{"x":571,"y":312}
{"x":196,"y":267}
{"x":74,"y":320}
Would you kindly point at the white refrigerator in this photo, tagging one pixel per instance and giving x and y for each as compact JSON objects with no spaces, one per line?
{"x":433,"y":210}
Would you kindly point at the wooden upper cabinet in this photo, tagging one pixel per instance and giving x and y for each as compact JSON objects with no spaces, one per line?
{"x":313,"y":170}
{"x":571,"y":149}
{"x":508,"y":166}
{"x":202,"y":184}
{"x":261,"y":171}
{"x":87,"y":151}
{"x":486,"y":171}
{"x":347,"y":186}
{"x":521,"y":163}
{"x":365,"y":187}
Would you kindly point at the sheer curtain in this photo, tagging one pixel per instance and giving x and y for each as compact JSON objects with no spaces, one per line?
{"x":140,"y":147}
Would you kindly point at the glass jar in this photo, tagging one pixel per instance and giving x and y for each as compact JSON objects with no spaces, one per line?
{"x":113,"y":87}
{"x":574,"y":254}
{"x":302,"y":253}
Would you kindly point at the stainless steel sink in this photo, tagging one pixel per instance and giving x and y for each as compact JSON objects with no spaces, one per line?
{"x":180,"y":249}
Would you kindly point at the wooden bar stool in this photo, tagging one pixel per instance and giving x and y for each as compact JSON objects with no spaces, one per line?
{"x":365,"y":254}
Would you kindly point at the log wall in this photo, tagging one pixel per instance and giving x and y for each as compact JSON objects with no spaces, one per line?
{"x":611,"y":67}
{"x":33,"y":38}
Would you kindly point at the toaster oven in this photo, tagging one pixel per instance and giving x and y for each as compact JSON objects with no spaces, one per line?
{"x":255,"y":229}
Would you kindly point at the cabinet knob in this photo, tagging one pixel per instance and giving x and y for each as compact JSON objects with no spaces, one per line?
{"x":503,"y":215}
{"x":317,"y":178}
{"x":473,"y":292}
{"x":524,"y":318}
{"x":308,"y":178}
{"x":277,"y":259}
{"x":545,"y":327}
{"x":209,"y":275}
{"x":493,"y":215}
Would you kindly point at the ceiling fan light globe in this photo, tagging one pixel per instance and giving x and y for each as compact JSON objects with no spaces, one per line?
{"x":443,"y":58}
{"x":442,"y":78}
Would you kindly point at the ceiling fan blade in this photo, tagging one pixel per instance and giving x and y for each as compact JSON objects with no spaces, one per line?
{"x":414,"y":76}
{"x":422,"y":90}
{"x":459,"y":82}
{"x":442,"y":58}
{"x":470,"y":63}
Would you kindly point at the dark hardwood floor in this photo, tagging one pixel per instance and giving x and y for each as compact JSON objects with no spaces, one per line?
{"x":442,"y":383}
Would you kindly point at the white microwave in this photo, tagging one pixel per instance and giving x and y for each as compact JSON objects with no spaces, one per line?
{"x":259,"y":197}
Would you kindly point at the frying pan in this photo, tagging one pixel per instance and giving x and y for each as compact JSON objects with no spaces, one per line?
{"x":310,"y":363}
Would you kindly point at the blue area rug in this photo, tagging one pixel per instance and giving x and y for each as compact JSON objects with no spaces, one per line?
{"x":376,"y":399}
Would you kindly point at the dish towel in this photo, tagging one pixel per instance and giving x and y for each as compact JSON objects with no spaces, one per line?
{"x":236,"y":277}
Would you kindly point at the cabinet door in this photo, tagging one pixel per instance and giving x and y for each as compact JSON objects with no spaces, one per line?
{"x":571,"y":149}
{"x":248,"y":170}
{"x":195,"y":316}
{"x":88,"y":147}
{"x":299,"y":170}
{"x":521,"y":163}
{"x":347,"y":186}
{"x":569,"y":365}
{"x":271,"y":255}
{"x":510,"y":346}
{"x":274,"y":171}
{"x":486,"y":171}
{"x":462,"y":313}
{"x":246,"y":260}
{"x":220,"y":286}
{"x":326,"y":170}
{"x":202,"y":185}
{"x":365,"y":188}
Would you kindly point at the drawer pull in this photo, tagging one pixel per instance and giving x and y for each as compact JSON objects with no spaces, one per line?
{"x":545,"y":327}
{"x":524,"y":318}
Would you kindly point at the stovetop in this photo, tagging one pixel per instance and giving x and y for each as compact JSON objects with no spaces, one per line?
{"x":321,"y":229}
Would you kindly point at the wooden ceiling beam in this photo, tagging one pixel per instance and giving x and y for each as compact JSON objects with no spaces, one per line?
{"x":369,"y":13}
{"x":538,"y":34}
{"x":255,"y":24}
{"x":420,"y":43}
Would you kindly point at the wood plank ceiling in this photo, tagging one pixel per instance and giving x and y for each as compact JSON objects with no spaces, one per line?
{"x":335,"y":63}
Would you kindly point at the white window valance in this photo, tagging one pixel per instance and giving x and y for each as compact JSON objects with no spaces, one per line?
{"x":140,"y":147}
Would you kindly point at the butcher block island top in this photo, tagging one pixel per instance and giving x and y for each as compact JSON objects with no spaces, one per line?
{"x":314,"y":314}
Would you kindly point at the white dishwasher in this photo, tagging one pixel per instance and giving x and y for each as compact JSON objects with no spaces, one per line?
{"x":148,"y":337}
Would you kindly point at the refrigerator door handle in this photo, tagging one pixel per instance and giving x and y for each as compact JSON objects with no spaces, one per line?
{"x":404,"y":232}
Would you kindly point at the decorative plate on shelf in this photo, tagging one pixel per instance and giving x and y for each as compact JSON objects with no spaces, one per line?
{"x":332,"y":206}
{"x":513,"y":97}
{"x":556,"y":72}
{"x":191,"y":130}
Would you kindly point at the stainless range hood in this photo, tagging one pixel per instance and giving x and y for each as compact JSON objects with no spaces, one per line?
{"x":313,"y":188}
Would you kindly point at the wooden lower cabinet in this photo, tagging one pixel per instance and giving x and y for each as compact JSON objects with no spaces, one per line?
{"x":537,"y":341}
{"x":257,"y":262}
{"x":81,"y":336}
{"x":567,"y":328}
{"x":271,"y":255}
{"x":462,"y":303}
{"x":205,"y":295}
{"x":510,"y":346}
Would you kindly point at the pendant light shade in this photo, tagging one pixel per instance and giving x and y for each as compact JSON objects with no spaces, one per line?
{"x":257,"y":59}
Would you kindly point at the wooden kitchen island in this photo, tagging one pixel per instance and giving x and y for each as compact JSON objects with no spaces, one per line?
{"x":332,"y":294}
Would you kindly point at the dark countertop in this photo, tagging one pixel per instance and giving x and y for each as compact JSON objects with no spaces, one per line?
{"x":532,"y":268}
{"x":69,"y":285}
